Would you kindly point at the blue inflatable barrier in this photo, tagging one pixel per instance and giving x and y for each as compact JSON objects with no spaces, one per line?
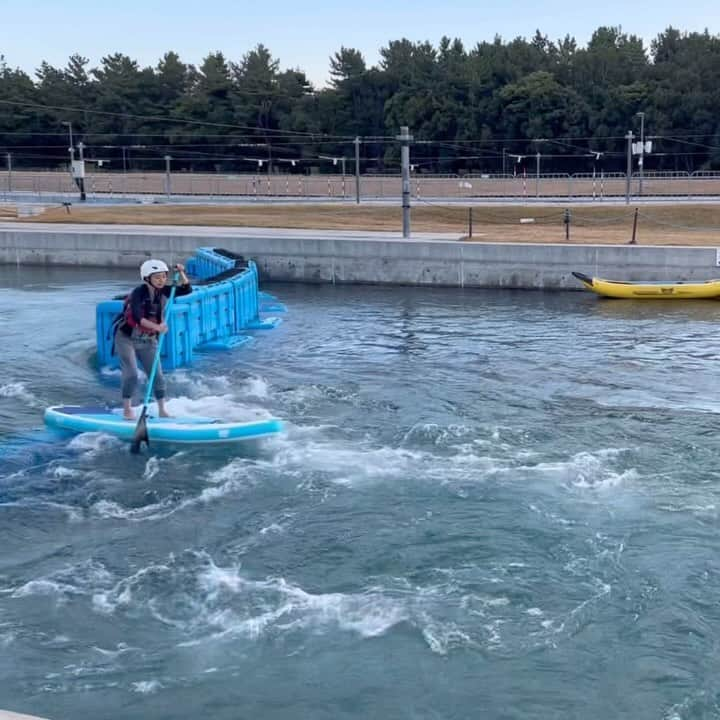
{"x":224,"y":304}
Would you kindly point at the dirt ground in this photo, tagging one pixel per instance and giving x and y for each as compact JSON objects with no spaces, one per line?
{"x":668,"y":224}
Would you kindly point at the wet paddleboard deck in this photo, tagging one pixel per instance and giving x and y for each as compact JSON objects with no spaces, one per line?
{"x":73,"y":418}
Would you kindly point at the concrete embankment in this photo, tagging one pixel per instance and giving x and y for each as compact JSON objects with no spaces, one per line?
{"x":355,"y":257}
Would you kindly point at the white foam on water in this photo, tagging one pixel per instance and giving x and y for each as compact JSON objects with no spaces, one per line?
{"x":235,"y":477}
{"x":441,"y":638}
{"x":199,"y":386}
{"x":315,"y":453}
{"x":45,"y":587}
{"x":273,"y":528}
{"x":60,"y":472}
{"x":222,"y":602}
{"x":73,"y":514}
{"x":146,"y":687}
{"x":108,"y":372}
{"x":121,"y":595}
{"x":212,"y":494}
{"x":120,"y":650}
{"x":299,"y":432}
{"x":79,"y":579}
{"x":441,"y":435}
{"x":222,"y":407}
{"x":236,"y":469}
{"x":585,"y":470}
{"x":92,"y":444}
{"x":152,"y":468}
{"x":18,"y":390}
{"x":255,"y":386}
{"x":609,"y":481}
{"x":111,"y":510}
{"x":346,"y":463}
{"x":701,"y":512}
{"x":367,"y":614}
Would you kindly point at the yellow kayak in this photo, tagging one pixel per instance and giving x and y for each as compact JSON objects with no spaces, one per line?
{"x":653,"y":290}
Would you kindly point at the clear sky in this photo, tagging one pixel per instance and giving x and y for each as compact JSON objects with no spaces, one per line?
{"x":304,"y":35}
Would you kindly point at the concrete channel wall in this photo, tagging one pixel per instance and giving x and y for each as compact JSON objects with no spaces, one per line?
{"x":357,"y":258}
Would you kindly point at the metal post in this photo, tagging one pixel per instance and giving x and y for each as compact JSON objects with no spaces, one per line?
{"x":470,"y":228}
{"x":357,"y":170}
{"x":503,"y":172}
{"x":71,"y":149}
{"x":634,"y":232}
{"x":405,"y":139}
{"x":124,"y":160}
{"x":566,"y":220}
{"x":537,"y":175}
{"x":9,"y":167}
{"x":629,"y":138}
{"x":168,"y":158}
{"x":641,"y":162}
{"x":81,"y":179}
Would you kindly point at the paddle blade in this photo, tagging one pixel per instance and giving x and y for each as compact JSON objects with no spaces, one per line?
{"x":141,"y":433}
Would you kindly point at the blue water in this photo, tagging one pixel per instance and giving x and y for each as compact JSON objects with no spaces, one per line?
{"x":486,"y":504}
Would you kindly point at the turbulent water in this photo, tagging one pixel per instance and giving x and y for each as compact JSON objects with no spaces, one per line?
{"x":485,"y":504}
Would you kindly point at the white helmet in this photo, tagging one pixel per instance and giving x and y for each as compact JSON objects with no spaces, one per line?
{"x":152,"y":266}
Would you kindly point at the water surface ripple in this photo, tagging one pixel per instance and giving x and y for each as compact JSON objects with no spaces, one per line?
{"x":486,"y":504}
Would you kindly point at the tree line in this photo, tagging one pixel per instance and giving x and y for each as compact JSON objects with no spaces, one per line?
{"x":502,"y":106}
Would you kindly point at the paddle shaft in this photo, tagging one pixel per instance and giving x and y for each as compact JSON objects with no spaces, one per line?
{"x":156,"y":361}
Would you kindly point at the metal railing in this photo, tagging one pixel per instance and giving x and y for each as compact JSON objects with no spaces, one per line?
{"x":526,"y":187}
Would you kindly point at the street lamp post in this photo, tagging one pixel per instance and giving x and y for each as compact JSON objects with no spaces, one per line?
{"x":641,"y":162}
{"x":357,"y":169}
{"x":81,"y":177}
{"x":628,"y":175}
{"x":537,"y":142}
{"x":405,"y":139}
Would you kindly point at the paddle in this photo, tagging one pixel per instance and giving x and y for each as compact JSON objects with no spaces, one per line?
{"x":141,"y":431}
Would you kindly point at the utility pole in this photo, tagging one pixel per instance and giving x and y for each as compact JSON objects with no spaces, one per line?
{"x":81,"y":175}
{"x":9,"y":167}
{"x":168,"y":158}
{"x":124,"y":161}
{"x":537,"y":174}
{"x":641,"y":161}
{"x":405,"y":139}
{"x":71,"y":149}
{"x":357,"y":170}
{"x":503,"y":172}
{"x":629,"y":138}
